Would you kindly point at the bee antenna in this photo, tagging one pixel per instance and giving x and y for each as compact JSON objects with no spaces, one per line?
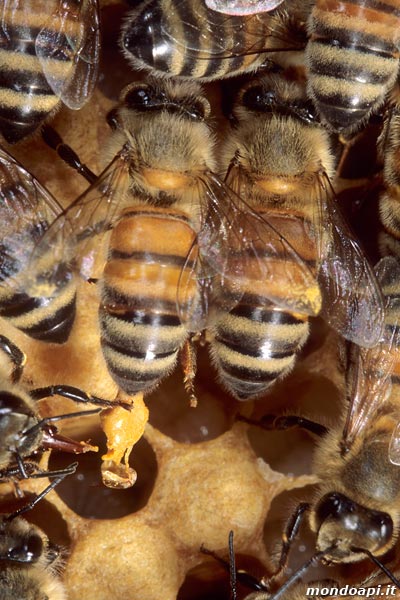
{"x":300,"y":571}
{"x":67,"y":471}
{"x":380,"y":565}
{"x":232,"y":567}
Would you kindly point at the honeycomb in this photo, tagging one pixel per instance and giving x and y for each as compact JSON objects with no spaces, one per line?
{"x":200,"y":473}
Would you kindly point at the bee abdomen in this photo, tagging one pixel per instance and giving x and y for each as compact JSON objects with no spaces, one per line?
{"x":254,"y":345}
{"x":26,"y":98}
{"x":141,"y":330}
{"x":352,"y":58}
{"x":171,"y":37}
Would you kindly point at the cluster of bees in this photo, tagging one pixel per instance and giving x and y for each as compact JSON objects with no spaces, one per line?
{"x":233,"y":242}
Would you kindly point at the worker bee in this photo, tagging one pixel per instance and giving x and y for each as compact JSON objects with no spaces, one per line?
{"x":242,"y":7}
{"x":187,"y":39}
{"x":29,"y":562}
{"x":50,"y":54}
{"x":352,"y":58}
{"x":355,"y":512}
{"x":23,"y":431}
{"x":174,"y":234}
{"x":279,"y":159}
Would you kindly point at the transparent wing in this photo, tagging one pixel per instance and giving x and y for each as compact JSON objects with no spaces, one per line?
{"x":373,"y":367}
{"x":76,"y":235}
{"x":352,"y":300}
{"x":68,"y":48}
{"x":259,"y":249}
{"x":243,"y":7}
{"x":164,"y":35}
{"x":239,"y":251}
{"x":26,"y":211}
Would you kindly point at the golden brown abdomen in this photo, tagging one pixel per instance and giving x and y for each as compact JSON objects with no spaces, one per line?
{"x":141,"y":330}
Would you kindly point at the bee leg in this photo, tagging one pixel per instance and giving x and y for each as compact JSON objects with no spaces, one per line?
{"x":66,"y":153}
{"x":16,"y":355}
{"x":288,"y":537}
{"x":242,"y":576}
{"x":67,"y":471}
{"x":77,"y":395}
{"x":282,"y":422}
{"x":188,"y":362}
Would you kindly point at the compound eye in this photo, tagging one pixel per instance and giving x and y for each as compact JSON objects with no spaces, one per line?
{"x":332,"y":505}
{"x":198,"y":110}
{"x":139,"y":97}
{"x":256,"y":98}
{"x":28,"y":551}
{"x":382,"y":526}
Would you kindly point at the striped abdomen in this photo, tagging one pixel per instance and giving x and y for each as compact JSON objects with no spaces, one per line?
{"x":352,"y":58}
{"x":256,"y":342}
{"x":141,"y":330}
{"x":42,"y":317}
{"x":184,"y":38}
{"x":26,"y":99}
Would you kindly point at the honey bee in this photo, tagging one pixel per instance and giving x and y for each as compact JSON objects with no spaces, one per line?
{"x":24,"y":432}
{"x":279,"y":159}
{"x":29,"y":562}
{"x":355,"y":513}
{"x":353,"y":59}
{"x":183,"y":38}
{"x":50,"y":54}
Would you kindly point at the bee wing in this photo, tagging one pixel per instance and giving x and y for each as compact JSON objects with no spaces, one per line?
{"x":75,"y":236}
{"x":372,"y":367}
{"x":202,"y":33}
{"x":26,"y":211}
{"x":68,"y":48}
{"x":256,"y":251}
{"x":242,"y":7}
{"x":352,"y":300}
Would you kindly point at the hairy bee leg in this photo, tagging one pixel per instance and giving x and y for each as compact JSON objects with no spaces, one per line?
{"x":288,"y":537}
{"x":16,"y":355}
{"x":67,"y":471}
{"x":75,"y":394}
{"x":282,"y":422}
{"x":66,"y":153}
{"x":22,"y":472}
{"x":189,"y":367}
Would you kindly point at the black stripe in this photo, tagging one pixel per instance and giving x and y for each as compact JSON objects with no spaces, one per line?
{"x":132,"y":381}
{"x":249,"y":375}
{"x":260,"y":314}
{"x":192,"y":25}
{"x":128,"y":350}
{"x":341,"y":70}
{"x":113,"y":302}
{"x":355,"y":41}
{"x":144,"y":317}
{"x":56,"y":328}
{"x":337,"y":102}
{"x":382,"y":7}
{"x":253,"y":348}
{"x":151,"y":258}
{"x":25,"y":82}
